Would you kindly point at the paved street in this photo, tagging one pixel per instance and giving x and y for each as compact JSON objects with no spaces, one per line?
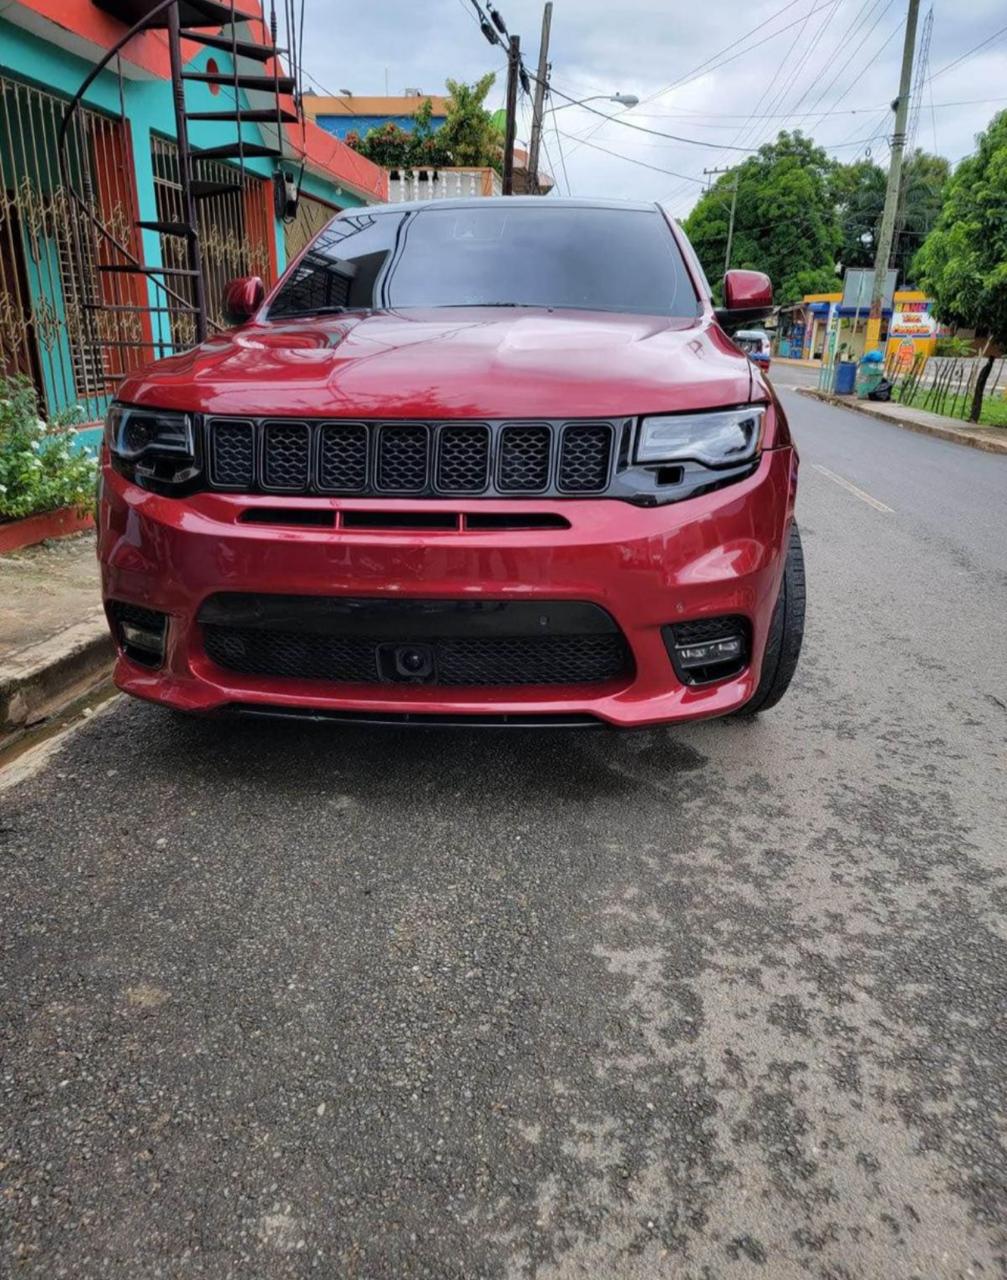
{"x":727,"y":1001}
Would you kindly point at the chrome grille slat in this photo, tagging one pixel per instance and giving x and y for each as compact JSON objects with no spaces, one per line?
{"x":408,"y":458}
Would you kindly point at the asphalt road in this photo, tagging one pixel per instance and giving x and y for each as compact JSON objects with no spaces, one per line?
{"x":724,"y":1002}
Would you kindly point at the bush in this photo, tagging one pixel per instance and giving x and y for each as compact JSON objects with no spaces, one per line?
{"x":395,"y":148}
{"x":467,"y":137}
{"x":39,"y":468}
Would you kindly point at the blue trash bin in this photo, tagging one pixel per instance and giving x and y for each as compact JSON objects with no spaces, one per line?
{"x":846,"y":377}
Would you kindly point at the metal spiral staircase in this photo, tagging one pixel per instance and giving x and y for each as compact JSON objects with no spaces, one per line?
{"x":133,"y":309}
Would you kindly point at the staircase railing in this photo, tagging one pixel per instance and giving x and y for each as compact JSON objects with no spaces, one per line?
{"x":185,"y":223}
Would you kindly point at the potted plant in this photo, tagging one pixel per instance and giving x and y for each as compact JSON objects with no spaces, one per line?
{"x":46,"y":483}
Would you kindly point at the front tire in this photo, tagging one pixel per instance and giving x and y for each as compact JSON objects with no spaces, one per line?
{"x":786,"y":631}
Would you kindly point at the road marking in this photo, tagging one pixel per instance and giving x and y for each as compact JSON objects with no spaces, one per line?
{"x":852,"y":488}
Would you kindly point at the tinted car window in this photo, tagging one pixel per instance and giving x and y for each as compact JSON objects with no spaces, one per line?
{"x":566,"y":257}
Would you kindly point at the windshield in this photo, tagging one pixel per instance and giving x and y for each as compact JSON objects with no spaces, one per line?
{"x":519,"y":256}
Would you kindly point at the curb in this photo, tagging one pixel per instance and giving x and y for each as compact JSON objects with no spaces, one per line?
{"x":910,"y":424}
{"x":40,"y":680}
{"x":15,"y":534}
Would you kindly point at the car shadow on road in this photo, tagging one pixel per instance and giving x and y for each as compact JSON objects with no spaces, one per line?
{"x":372,"y":760}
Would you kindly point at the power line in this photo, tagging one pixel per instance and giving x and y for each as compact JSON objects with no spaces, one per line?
{"x":802,"y":61}
{"x":870,"y":62}
{"x":748,"y":128}
{"x":562,"y":157}
{"x":706,"y":65}
{"x":830,"y":146}
{"x":619,"y":155}
{"x":781,"y":115}
{"x":336,"y":97}
{"x":933,"y":116}
{"x":697,"y":71}
{"x":981,"y":45}
{"x":639,"y":128}
{"x":812,"y":46}
{"x":923,"y":70}
{"x":552,"y":168}
{"x":841,"y":43}
{"x":867,"y":35}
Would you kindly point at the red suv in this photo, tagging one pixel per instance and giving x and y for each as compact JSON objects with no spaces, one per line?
{"x":479,"y":461}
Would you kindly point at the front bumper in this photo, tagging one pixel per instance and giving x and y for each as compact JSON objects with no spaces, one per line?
{"x":720,"y":553}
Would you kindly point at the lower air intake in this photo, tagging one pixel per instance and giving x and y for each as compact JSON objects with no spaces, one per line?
{"x":532,"y":660}
{"x":444,"y":643}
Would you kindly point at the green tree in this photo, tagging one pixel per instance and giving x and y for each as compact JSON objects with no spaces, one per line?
{"x":859,"y":193}
{"x":858,"y":190}
{"x":785,"y":220}
{"x":468,"y":132}
{"x":924,"y":179}
{"x":963,"y":262}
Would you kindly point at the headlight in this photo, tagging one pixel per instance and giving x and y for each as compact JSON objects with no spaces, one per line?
{"x":151,"y":444}
{"x":719,"y":439}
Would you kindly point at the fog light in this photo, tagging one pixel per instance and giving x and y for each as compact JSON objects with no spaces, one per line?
{"x":139,"y":638}
{"x":708,"y":649}
{"x":699,"y":655}
{"x":141,"y":632}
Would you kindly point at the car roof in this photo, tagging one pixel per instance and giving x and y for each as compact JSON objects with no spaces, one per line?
{"x":481,"y":202}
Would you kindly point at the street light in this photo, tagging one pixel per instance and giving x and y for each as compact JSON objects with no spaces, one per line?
{"x":626,"y":100}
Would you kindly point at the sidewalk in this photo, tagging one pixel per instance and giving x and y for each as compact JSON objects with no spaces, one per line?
{"x":990,"y":439}
{"x":800,"y":364}
{"x":54,"y":642}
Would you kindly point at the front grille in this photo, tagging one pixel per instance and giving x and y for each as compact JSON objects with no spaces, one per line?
{"x":409,"y":458}
{"x":524,"y":458}
{"x":286,"y":452}
{"x":584,"y":457}
{"x":232,"y":454}
{"x":483,"y":643}
{"x":463,"y":459}
{"x":402,"y":458}
{"x":342,"y":457}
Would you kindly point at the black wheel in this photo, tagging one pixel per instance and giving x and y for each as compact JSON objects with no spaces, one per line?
{"x":786,"y":631}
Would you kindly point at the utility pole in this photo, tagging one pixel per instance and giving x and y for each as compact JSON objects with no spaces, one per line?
{"x":495,"y":30}
{"x":513,"y":71}
{"x":883,"y":251}
{"x":535,"y":142}
{"x":734,"y":206}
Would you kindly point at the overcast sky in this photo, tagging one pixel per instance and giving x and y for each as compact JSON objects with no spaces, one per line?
{"x":808,"y":56}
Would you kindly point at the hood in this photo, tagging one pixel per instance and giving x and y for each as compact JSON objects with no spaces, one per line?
{"x":471,"y":362}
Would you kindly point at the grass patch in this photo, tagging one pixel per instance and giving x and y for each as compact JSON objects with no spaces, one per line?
{"x":994,"y":411}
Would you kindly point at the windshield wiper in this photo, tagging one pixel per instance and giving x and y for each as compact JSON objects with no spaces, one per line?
{"x":312,"y":311}
{"x":527,"y":306}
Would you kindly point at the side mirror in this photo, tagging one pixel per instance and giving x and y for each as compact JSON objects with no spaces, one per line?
{"x":748,"y":296}
{"x":242,"y":298}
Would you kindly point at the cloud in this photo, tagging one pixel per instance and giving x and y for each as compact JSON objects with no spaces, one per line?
{"x":644,"y":46}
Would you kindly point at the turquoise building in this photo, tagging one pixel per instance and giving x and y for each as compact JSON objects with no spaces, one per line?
{"x":73,"y":319}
